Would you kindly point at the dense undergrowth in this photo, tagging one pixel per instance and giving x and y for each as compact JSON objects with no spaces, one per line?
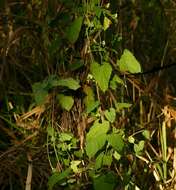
{"x":87,"y":94}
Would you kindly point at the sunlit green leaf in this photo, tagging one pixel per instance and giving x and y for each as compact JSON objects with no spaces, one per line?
{"x":129,"y":63}
{"x":72,"y":32}
{"x":116,"y":141}
{"x":120,"y":106}
{"x":110,"y":115}
{"x":139,"y":147}
{"x":117,"y":156}
{"x":102,"y":74}
{"x":66,"y":102}
{"x":131,"y":139}
{"x":74,"y":165}
{"x":96,"y":137}
{"x":107,"y":22}
{"x":68,"y":82}
{"x":65,"y":137}
{"x":146,"y":134}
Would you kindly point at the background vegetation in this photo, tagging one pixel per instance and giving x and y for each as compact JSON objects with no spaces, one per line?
{"x":87,"y":94}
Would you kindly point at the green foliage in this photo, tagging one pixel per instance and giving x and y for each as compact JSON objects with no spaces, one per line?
{"x":146,"y":134}
{"x":110,"y":115}
{"x":103,"y":159}
{"x":102,"y":74}
{"x":89,"y":100}
{"x":66,"y":102}
{"x":69,"y":83}
{"x":116,"y":81}
{"x":40,"y":93}
{"x":117,"y":156}
{"x":74,"y":165}
{"x":106,"y":181}
{"x":129,"y":63}
{"x":139,"y":147}
{"x":120,"y":106}
{"x":65,"y":137}
{"x":41,"y":90}
{"x":58,"y":178}
{"x":96,"y":137}
{"x":72,"y":32}
{"x":89,"y":128}
{"x":116,"y":141}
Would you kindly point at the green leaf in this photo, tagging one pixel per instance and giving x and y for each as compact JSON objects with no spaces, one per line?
{"x":110,"y":115}
{"x":107,"y":22}
{"x":116,"y":141}
{"x":117,"y":156}
{"x":92,"y":147}
{"x":129,"y":63}
{"x":104,"y":182}
{"x":65,"y":137}
{"x":57,"y":177}
{"x":131,"y":139}
{"x":40,"y":92}
{"x":116,"y":80}
{"x":89,"y":99}
{"x":120,"y":106}
{"x":72,"y":32}
{"x":40,"y":97}
{"x":103,"y":160}
{"x":107,"y":160}
{"x":102,"y":74}
{"x":99,"y":161}
{"x":139,"y":147}
{"x":69,"y":83}
{"x":91,"y":106}
{"x":146,"y":134}
{"x":96,"y":138}
{"x":74,"y":165}
{"x":79,"y":153}
{"x":66,"y":102}
{"x":50,"y":131}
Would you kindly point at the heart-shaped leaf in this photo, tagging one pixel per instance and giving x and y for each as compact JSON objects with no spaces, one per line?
{"x":116,"y":141}
{"x":110,"y":115}
{"x":129,"y":63}
{"x":102,"y":74}
{"x":116,"y":80}
{"x":96,"y":138}
{"x":66,"y":102}
{"x":72,"y":32}
{"x":139,"y":147}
